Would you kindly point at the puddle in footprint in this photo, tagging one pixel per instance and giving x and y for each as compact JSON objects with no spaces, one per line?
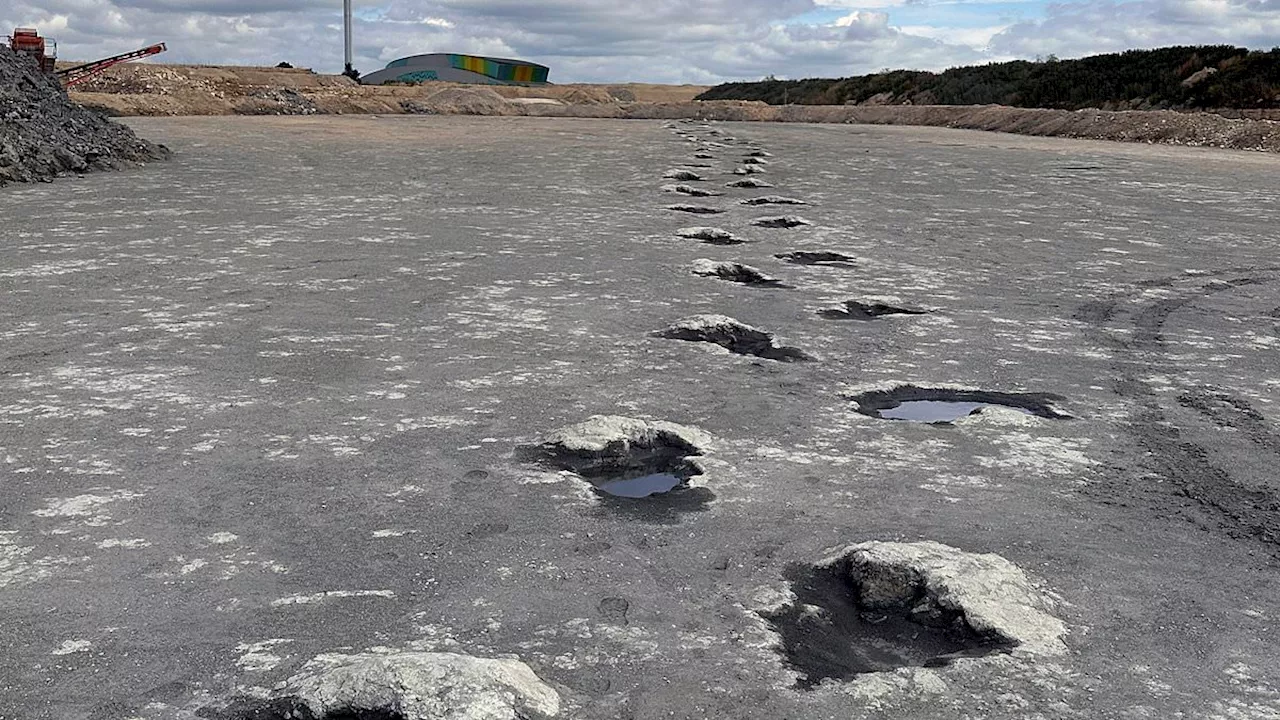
{"x":652,"y":494}
{"x":939,"y":406}
{"x":642,"y":470}
{"x":937,"y":411}
{"x":640,"y":487}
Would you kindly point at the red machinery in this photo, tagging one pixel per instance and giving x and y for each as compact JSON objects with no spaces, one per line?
{"x":28,"y":40}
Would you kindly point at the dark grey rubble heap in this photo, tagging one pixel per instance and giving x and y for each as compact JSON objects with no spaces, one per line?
{"x":43,"y":134}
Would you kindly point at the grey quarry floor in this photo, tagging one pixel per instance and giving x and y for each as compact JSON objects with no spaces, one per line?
{"x":261,"y":402}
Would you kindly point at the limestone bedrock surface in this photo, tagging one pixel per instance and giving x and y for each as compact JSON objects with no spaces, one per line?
{"x":260,"y":403}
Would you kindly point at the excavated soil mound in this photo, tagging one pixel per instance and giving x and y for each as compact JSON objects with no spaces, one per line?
{"x":462,"y":101}
{"x":43,"y":134}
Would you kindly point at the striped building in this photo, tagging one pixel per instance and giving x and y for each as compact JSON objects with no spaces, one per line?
{"x":460,"y":69}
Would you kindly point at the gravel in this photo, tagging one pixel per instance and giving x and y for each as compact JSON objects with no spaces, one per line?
{"x":43,"y":134}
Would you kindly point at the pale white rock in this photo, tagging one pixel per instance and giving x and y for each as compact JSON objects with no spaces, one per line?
{"x":690,"y":190}
{"x":994,"y":596}
{"x":709,"y":234}
{"x":731,"y":271}
{"x":423,"y":686}
{"x":999,"y":415}
{"x":678,"y":174}
{"x":617,"y":434}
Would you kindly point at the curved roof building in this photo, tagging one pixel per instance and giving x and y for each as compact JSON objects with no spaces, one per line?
{"x":460,"y":69}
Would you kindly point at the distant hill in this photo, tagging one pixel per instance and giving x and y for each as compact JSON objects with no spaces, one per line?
{"x":1209,"y":76}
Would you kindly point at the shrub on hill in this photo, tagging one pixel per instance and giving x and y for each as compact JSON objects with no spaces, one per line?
{"x":1183,"y":77}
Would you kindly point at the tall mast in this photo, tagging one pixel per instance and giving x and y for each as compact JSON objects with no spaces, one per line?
{"x":346,"y":33}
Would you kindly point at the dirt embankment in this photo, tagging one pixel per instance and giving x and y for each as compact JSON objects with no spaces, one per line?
{"x":1151,"y":126}
{"x":153,"y":89}
{"x":43,"y":134}
{"x":207,"y":90}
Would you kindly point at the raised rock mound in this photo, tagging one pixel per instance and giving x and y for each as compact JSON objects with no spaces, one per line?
{"x":406,"y":686}
{"x":983,"y":594}
{"x":734,"y":272}
{"x":605,"y":444}
{"x":732,"y":335}
{"x":43,"y":134}
{"x":883,"y":606}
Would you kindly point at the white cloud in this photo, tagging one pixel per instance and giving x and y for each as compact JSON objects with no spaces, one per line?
{"x":650,"y":40}
{"x":978,"y":38}
{"x":863,"y":18}
{"x":860,"y":4}
{"x":1098,"y":26}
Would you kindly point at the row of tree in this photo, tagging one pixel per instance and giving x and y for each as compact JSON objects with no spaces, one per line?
{"x":1183,"y":77}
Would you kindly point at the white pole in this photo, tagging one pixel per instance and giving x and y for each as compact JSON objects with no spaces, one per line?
{"x":346,"y":27}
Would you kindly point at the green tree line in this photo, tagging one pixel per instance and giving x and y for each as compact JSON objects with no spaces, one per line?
{"x":1182,"y":77}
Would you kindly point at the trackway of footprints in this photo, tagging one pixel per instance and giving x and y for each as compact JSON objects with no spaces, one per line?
{"x":855,"y":630}
{"x":751,"y":161}
{"x":870,"y":607}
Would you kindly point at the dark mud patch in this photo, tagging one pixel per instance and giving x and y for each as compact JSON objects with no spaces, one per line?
{"x":486,"y":530}
{"x":865,"y":311}
{"x":695,"y":209}
{"x":734,"y":336}
{"x":289,"y":709}
{"x":1227,"y":410}
{"x":710,"y":235}
{"x":781,"y":221}
{"x":773,"y":200}
{"x":749,"y":183}
{"x":614,"y":610}
{"x":735,"y":272}
{"x":830,"y":633}
{"x":804,"y":257}
{"x":1096,"y":312}
{"x":945,"y":405}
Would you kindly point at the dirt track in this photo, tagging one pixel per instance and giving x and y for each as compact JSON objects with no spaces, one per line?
{"x":206,"y":90}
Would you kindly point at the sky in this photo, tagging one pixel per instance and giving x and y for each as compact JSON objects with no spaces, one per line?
{"x":665,"y":41}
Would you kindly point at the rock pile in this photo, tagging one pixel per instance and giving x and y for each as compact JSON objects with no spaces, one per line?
{"x":43,"y":134}
{"x":404,"y":686}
